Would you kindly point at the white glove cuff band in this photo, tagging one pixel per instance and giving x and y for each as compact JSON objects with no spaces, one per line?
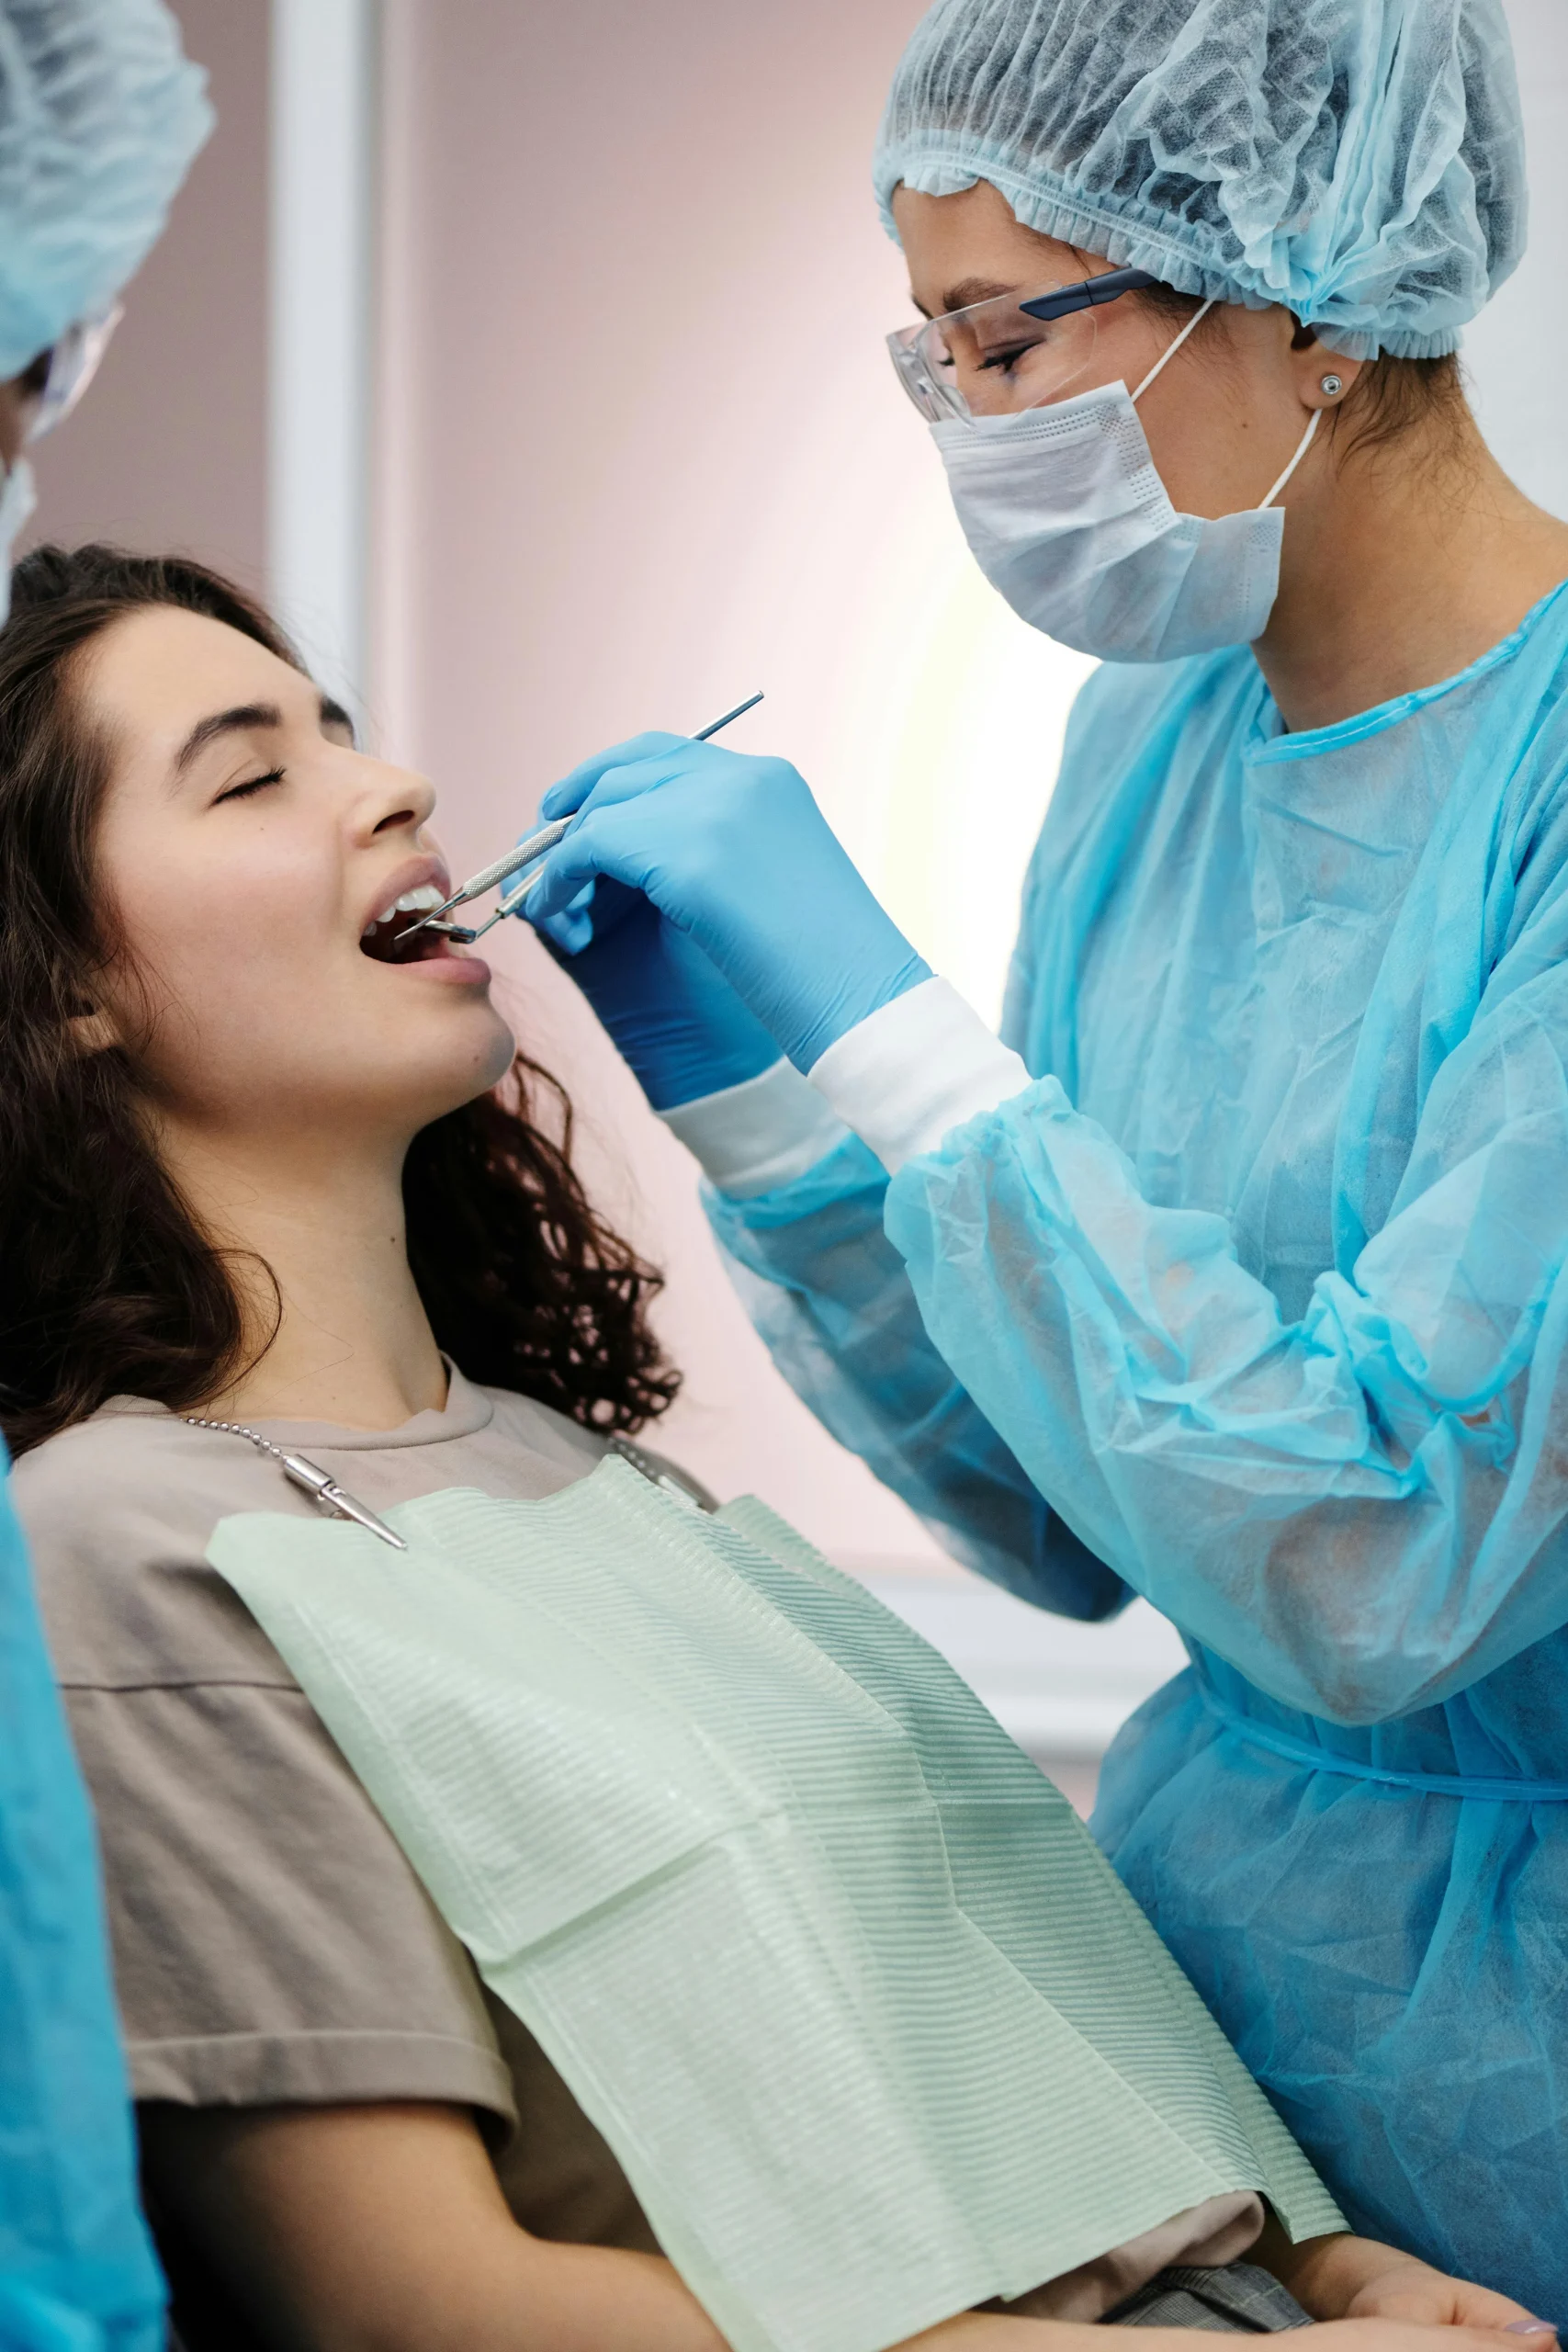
{"x":911,"y":1073}
{"x":753,"y":1137}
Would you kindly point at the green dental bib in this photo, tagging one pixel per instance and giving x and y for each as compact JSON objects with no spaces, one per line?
{"x":871,"y":2025}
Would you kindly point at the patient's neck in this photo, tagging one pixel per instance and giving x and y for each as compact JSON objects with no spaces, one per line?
{"x":353,"y":1345}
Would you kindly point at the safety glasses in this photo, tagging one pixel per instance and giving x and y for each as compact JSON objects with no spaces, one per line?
{"x":1017,"y":351}
{"x":59,"y":377}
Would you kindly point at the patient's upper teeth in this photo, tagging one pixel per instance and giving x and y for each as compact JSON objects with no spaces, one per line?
{"x":412,"y":902}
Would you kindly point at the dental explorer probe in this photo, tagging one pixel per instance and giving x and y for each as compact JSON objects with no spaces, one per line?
{"x":524,"y":853}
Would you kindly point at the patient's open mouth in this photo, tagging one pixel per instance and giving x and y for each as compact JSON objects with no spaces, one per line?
{"x":380,"y":939}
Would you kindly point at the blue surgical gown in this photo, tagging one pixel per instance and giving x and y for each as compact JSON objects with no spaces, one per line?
{"x":76,"y":2269}
{"x":1255,"y":1302}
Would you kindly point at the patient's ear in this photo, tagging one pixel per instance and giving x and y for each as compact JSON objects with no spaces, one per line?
{"x":92,"y":1029}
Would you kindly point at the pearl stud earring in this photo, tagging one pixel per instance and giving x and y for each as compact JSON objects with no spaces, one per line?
{"x":1332,"y":387}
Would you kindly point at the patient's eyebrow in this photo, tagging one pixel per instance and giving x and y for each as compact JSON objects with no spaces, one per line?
{"x":244,"y":718}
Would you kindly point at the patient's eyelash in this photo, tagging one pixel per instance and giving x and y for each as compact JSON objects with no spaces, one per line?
{"x":244,"y":791}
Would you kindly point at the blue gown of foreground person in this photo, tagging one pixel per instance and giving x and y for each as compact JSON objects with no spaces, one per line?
{"x":1265,"y":1281}
{"x":100,"y":116}
{"x":76,"y":2271}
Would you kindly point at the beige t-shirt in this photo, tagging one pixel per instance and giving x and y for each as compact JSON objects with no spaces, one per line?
{"x":271,"y":1943}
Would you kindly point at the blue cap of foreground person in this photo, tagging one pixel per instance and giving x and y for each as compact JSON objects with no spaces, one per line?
{"x":101,"y":113}
{"x":1360,"y":161}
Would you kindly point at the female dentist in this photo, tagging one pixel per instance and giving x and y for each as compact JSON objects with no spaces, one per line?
{"x":1237,"y":1275}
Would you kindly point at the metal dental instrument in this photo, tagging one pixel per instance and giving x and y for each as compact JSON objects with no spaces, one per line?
{"x":525,"y":855}
{"x":716,"y":726}
{"x":489,"y":875}
{"x":508,"y":906}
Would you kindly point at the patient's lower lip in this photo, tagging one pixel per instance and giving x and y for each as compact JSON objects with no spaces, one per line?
{"x":454,"y":964}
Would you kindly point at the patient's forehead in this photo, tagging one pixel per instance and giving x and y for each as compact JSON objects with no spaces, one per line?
{"x":152,"y":675}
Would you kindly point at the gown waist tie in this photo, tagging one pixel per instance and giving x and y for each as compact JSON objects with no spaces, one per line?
{"x":1504,"y":1790}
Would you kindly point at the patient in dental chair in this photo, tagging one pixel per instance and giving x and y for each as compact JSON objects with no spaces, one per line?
{"x":274,"y":1182}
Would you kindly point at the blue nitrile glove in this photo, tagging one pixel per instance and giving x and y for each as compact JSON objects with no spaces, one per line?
{"x":734,"y":853}
{"x":676,"y":1020}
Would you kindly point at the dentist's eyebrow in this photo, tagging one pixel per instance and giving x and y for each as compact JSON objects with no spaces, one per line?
{"x":970,"y":290}
{"x":245,"y":718}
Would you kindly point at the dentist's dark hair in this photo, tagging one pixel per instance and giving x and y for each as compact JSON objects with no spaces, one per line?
{"x":108,"y":1286}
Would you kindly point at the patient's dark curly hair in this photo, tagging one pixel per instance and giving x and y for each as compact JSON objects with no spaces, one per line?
{"x":108,"y":1285}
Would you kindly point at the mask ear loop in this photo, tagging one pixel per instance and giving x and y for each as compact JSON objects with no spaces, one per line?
{"x":1168,"y":354}
{"x":1308,"y":437}
{"x":1193,"y":324}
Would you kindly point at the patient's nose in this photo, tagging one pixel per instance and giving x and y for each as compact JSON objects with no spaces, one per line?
{"x":399,"y":799}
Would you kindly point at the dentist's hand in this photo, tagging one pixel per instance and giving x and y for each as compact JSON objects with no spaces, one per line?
{"x":676,"y":1020}
{"x":736,"y":855}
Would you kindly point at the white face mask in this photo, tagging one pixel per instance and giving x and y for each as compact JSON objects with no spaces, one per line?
{"x":18,"y":496}
{"x":1067,"y":516}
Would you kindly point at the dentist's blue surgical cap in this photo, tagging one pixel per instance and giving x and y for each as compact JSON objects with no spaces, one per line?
{"x":1360,"y":162}
{"x":100,"y":115}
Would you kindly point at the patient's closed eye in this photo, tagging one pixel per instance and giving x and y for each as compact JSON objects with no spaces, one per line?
{"x":253,"y":784}
{"x":250,"y":717}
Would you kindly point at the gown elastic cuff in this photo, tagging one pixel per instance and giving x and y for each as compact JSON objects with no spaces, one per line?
{"x":757,"y":1136}
{"x":912,"y":1071}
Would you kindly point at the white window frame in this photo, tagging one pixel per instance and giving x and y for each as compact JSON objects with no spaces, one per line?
{"x":322,"y":267}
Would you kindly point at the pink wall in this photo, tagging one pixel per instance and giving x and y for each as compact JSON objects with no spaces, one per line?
{"x":641,"y":452}
{"x":170,"y":452}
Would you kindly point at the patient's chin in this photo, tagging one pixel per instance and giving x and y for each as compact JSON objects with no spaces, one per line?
{"x":489,"y":1065}
{"x":374,"y":1078}
{"x":504,"y":1056}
